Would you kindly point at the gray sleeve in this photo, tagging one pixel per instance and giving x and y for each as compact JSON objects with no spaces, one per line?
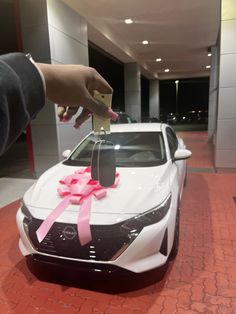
{"x":21,"y":96}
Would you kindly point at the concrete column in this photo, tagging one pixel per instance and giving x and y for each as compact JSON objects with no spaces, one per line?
{"x":225,"y":150}
{"x":154,"y":99}
{"x":53,"y":33}
{"x":213,"y":93}
{"x":133,"y":91}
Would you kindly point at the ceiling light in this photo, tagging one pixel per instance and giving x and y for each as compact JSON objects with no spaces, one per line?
{"x":177,"y":82}
{"x":209,"y":54}
{"x":167,"y":70}
{"x":158,"y":59}
{"x":145,"y":42}
{"x":208,"y":66}
{"x":129,"y":21}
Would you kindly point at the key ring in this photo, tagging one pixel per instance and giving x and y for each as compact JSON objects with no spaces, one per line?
{"x":105,"y":133}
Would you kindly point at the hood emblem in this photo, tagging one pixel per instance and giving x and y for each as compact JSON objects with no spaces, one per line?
{"x":69,"y":232}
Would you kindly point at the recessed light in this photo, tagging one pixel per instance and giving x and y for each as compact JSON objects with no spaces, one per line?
{"x":158,"y":59}
{"x":209,"y":54}
{"x":208,"y":66}
{"x":129,"y":21}
{"x":167,"y":70}
{"x":145,"y":42}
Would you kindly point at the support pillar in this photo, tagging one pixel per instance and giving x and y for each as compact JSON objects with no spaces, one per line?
{"x":53,"y":33}
{"x":213,"y":93}
{"x":225,"y":149}
{"x":154,"y":99}
{"x":133,"y":91}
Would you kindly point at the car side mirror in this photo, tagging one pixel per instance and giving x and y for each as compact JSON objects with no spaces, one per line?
{"x":66,"y":153}
{"x":181,"y":154}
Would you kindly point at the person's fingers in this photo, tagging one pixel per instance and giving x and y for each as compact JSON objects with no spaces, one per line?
{"x":70,"y":111}
{"x":60,"y":111}
{"x":99,"y":108}
{"x":65,"y":113}
{"x":101,"y":85}
{"x":83,"y":116}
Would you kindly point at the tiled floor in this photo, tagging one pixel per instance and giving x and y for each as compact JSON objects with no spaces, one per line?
{"x":202,"y":279}
{"x":202,"y":151}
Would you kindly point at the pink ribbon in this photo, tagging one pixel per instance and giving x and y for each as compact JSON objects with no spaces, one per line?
{"x":77,"y":189}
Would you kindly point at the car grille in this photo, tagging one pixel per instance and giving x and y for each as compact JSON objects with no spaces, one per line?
{"x":62,"y":240}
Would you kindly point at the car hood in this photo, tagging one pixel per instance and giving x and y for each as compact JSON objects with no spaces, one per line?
{"x":139,"y":190}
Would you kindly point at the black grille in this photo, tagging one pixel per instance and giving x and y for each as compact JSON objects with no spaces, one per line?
{"x":62,"y":240}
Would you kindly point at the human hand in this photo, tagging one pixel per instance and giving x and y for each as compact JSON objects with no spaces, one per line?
{"x":72,"y":86}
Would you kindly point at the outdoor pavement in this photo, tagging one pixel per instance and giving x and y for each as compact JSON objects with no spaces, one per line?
{"x":202,"y":279}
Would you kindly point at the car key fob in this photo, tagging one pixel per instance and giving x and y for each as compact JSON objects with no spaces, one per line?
{"x":103,"y":163}
{"x":106,"y":163}
{"x":94,"y":161}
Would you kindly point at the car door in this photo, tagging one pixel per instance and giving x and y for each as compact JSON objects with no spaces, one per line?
{"x":172,"y":143}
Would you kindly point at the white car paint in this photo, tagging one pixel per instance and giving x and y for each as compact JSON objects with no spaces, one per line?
{"x":140,"y":189}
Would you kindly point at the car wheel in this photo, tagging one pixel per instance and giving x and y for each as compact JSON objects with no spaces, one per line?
{"x":175,"y":247}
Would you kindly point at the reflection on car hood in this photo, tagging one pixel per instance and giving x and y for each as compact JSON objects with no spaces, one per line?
{"x":139,"y":190}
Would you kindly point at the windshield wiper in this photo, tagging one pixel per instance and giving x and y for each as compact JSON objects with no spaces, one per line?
{"x":125,"y":165}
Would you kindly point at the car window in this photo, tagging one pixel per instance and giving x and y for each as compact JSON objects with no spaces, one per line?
{"x":123,"y":118}
{"x":172,"y":141}
{"x":132,"y":149}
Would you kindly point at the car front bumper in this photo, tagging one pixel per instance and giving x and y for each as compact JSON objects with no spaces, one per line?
{"x":141,"y":255}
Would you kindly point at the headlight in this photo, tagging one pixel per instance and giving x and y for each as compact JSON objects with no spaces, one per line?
{"x":150,"y":217}
{"x":25,"y":211}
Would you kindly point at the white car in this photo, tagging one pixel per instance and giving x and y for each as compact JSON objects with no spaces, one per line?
{"x":136,"y":226}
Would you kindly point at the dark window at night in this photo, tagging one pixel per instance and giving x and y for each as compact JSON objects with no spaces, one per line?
{"x":112,"y":70}
{"x":144,"y":97}
{"x":192,"y":95}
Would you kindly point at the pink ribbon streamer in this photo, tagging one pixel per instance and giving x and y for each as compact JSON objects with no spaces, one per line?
{"x":77,"y":188}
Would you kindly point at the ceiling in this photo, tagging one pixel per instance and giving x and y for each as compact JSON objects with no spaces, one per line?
{"x":179,"y":32}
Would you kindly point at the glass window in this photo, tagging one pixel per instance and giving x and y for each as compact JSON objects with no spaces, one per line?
{"x":172,"y":141}
{"x":133,"y":149}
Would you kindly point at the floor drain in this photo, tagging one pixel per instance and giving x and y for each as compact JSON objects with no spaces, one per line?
{"x":234,"y":198}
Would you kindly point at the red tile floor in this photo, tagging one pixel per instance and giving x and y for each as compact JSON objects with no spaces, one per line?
{"x":202,"y":279}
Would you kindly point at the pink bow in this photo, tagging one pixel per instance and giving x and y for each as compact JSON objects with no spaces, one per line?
{"x":78,"y":189}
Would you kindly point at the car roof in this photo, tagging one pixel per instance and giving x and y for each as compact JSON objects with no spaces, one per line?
{"x":136,"y":127}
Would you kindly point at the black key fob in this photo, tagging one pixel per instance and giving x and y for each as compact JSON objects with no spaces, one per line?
{"x":103,"y":163}
{"x":94,"y":161}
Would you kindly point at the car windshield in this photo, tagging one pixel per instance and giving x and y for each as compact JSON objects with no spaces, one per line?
{"x":122,"y":118}
{"x":132,"y":149}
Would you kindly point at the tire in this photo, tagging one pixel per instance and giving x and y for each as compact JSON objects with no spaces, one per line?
{"x":175,"y":247}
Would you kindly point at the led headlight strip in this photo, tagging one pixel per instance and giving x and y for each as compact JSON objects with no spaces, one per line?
{"x":149,"y":217}
{"x":25,"y":211}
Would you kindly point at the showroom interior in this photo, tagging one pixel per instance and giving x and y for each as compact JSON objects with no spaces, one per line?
{"x":150,"y":53}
